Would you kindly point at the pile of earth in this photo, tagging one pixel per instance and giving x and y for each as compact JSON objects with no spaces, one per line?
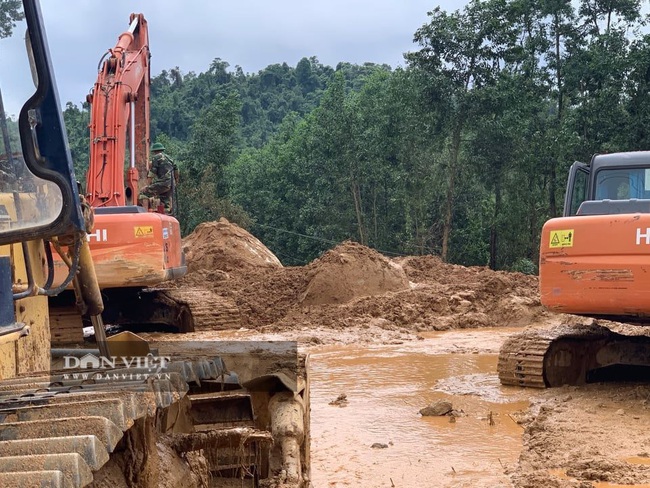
{"x":351,"y":271}
{"x":352,"y":285}
{"x":225,"y":247}
{"x":585,"y":436}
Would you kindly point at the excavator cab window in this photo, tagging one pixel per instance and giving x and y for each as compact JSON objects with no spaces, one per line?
{"x":38,"y":197}
{"x":577,"y":188}
{"x":623,"y":184}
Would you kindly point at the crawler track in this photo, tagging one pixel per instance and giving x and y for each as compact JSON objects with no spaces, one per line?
{"x":206,"y":310}
{"x":62,"y":430}
{"x":186,"y":309}
{"x":521,"y":361}
{"x":571,"y":354}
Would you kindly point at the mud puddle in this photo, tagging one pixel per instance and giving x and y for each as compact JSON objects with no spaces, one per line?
{"x":386,"y":386}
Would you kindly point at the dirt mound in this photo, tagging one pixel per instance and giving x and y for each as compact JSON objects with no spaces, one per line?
{"x":431,"y":269}
{"x":226,"y":247}
{"x":350,"y":271}
{"x":353,"y":286}
{"x":263,"y":295}
{"x":578,"y":436}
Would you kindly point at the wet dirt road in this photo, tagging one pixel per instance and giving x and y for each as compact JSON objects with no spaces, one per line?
{"x":386,"y":386}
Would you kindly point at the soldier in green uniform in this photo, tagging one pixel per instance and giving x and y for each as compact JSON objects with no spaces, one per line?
{"x":161,"y":172}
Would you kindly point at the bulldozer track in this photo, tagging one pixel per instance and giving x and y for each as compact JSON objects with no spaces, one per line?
{"x":60,"y":429}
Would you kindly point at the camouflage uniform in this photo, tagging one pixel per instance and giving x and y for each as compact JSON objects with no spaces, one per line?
{"x":162,"y":171}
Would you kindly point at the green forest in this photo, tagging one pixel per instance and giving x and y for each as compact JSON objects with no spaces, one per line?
{"x":462,"y":153}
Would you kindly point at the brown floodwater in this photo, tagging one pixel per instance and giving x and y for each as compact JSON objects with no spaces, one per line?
{"x":386,"y":386}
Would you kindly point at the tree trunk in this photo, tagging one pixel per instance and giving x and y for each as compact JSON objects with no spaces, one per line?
{"x":552,"y":187}
{"x":375,"y":220}
{"x":452,"y":172}
{"x":493,"y":226}
{"x":356,"y":195}
{"x":533,"y":245}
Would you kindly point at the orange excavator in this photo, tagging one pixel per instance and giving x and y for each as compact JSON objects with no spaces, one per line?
{"x":133,"y":248}
{"x":594,"y":269}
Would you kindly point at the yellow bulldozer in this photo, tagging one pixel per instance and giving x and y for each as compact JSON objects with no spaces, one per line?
{"x":114,"y":412}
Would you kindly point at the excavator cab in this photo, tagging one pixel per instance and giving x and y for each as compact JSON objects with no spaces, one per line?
{"x":577,"y":188}
{"x":610,"y":184}
{"x":39,"y":194}
{"x":39,"y":201}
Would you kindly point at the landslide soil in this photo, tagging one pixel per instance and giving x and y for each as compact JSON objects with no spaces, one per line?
{"x":351,"y":292}
{"x":571,"y":437}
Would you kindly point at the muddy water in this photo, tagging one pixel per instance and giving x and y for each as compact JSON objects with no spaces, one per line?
{"x":386,"y":385}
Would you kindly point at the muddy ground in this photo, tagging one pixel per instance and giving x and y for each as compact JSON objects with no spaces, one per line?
{"x":395,"y":334}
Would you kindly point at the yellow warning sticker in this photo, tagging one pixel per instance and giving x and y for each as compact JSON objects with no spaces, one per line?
{"x":143,"y":231}
{"x":562,"y":238}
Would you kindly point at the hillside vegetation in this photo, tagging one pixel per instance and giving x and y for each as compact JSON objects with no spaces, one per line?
{"x":462,"y":153}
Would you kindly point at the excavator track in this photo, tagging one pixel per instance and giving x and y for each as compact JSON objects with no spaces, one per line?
{"x":73,"y":430}
{"x":521,"y":361}
{"x":66,"y":325}
{"x":207,"y":310}
{"x":572,"y":354}
{"x":181,"y":310}
{"x":187,"y":309}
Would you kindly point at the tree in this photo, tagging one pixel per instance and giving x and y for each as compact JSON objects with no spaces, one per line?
{"x":11,"y":11}
{"x":461,"y":52}
{"x":211,"y":148}
{"x":76,"y":124}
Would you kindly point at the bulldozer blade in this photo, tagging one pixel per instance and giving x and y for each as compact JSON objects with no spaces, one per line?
{"x":127,"y":344}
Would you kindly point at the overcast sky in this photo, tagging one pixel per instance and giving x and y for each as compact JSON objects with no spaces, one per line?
{"x":249,"y":33}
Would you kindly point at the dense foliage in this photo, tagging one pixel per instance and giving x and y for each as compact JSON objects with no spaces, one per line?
{"x":463,"y":153}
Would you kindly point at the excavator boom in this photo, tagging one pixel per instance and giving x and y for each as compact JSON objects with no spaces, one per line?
{"x":120,"y":99}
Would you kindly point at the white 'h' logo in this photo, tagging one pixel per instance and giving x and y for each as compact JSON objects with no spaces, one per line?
{"x":639,"y":236}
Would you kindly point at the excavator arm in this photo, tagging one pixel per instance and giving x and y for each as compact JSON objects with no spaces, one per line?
{"x":131,"y":248}
{"x":119,"y":102}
